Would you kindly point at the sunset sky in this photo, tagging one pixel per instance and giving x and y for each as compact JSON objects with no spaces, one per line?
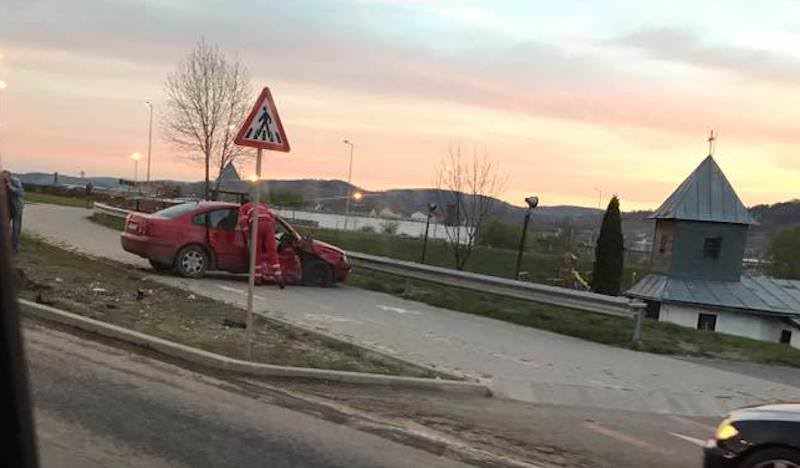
{"x":567,"y":96}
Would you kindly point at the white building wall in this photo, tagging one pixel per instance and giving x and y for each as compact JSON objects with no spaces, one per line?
{"x":732,"y":323}
{"x":336,"y":221}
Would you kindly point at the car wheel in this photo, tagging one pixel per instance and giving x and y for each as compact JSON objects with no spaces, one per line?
{"x":773,"y":458}
{"x":192,"y":261}
{"x":317,"y":273}
{"x":160,"y":267}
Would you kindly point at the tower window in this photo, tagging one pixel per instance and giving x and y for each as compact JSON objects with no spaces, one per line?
{"x":712,"y":247}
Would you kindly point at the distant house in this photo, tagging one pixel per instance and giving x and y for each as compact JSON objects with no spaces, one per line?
{"x":388,"y":213}
{"x":696,"y":259}
{"x":418,"y":216}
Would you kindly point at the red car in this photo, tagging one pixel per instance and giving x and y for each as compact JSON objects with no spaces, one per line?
{"x":192,"y":238}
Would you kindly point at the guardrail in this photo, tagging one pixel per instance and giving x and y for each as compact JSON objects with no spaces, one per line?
{"x":582,"y":300}
{"x":534,"y":292}
{"x":111,"y":210}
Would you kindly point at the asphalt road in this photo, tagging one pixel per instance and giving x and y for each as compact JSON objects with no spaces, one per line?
{"x":97,"y":405}
{"x":518,"y":362}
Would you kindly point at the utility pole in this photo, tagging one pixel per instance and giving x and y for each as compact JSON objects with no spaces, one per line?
{"x":149,"y":137}
{"x":349,"y":184}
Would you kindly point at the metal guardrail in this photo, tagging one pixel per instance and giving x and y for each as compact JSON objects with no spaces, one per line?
{"x":534,"y":292}
{"x":582,"y":300}
{"x":111,"y":210}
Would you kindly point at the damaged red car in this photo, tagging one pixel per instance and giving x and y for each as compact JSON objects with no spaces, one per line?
{"x":193,"y":238}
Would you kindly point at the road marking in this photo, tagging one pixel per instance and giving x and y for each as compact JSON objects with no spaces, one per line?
{"x":625,"y":438}
{"x":239,"y":291}
{"x":399,"y":310}
{"x":691,"y":440}
{"x":704,"y":427}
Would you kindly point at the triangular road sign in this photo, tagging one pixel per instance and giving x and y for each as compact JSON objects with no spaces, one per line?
{"x":263,"y":128}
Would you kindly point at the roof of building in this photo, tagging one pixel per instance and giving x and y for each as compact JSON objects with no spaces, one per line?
{"x":229,"y":173}
{"x":706,"y":195}
{"x":753,"y":294}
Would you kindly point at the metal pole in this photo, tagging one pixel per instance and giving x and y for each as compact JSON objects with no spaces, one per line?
{"x":252,"y":270}
{"x":637,"y":309}
{"x":425,"y":241}
{"x":149,"y":139}
{"x":349,"y":186}
{"x":522,"y":243}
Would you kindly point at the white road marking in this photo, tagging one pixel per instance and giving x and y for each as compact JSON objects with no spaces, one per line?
{"x":399,"y":310}
{"x":704,"y":427}
{"x":691,"y":440}
{"x":625,"y":438}
{"x":329,"y":318}
{"x":239,"y":291}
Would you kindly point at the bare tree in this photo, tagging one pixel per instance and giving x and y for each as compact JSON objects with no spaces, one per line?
{"x":466,"y":191}
{"x":208,"y":97}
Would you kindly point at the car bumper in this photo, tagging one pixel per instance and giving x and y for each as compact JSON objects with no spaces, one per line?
{"x":143,"y":246}
{"x":716,"y":457}
{"x":340,"y":271}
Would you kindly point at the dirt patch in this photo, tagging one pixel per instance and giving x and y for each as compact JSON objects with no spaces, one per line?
{"x":119,"y":294}
{"x":499,"y":426}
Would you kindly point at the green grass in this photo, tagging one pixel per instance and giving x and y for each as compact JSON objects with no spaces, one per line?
{"x":113,"y":222}
{"x":107,"y":291}
{"x":541,"y":267}
{"x":657,"y":337}
{"x":46,"y":198}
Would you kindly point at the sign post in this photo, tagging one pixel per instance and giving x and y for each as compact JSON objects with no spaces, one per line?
{"x":263,"y":130}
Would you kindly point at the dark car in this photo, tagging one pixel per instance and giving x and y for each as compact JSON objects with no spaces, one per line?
{"x":758,"y":437}
{"x":192,"y":238}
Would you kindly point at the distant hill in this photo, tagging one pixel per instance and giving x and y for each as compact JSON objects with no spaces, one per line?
{"x":331,"y":195}
{"x":40,"y":178}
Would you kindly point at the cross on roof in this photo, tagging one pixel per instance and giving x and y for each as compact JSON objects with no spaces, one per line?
{"x":711,"y":139}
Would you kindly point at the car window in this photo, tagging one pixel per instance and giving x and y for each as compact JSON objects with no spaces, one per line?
{"x":200,"y":219}
{"x":177,"y":210}
{"x":223,"y":219}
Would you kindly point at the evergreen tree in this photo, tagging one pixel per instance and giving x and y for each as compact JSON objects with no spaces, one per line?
{"x":609,"y":253}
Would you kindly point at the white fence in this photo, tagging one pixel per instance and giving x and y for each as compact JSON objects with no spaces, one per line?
{"x":354,"y":223}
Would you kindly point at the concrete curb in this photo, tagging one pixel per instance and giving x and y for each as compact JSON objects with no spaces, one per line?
{"x":224,"y":363}
{"x":415,"y":435}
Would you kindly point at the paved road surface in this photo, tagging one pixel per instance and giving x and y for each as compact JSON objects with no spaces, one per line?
{"x":519,"y":362}
{"x":96,"y":405}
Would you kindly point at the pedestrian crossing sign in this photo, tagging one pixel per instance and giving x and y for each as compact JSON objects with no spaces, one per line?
{"x":263,"y":128}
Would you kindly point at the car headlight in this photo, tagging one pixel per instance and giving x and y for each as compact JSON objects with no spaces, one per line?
{"x":345,"y":260}
{"x":726,"y":431}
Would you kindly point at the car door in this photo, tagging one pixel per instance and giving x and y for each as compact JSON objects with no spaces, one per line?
{"x":225,"y":239}
{"x":287,"y":254}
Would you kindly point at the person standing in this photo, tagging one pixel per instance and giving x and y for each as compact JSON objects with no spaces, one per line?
{"x":16,"y":203}
{"x":268,"y":265}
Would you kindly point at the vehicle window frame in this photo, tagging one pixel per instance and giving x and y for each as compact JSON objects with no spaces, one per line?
{"x":208,"y":216}
{"x":182,"y":209}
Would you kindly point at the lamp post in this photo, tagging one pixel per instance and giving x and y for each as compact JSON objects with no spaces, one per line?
{"x":431,"y":209}
{"x":136,"y":157}
{"x":532,"y":202}
{"x":149,"y":104}
{"x":349,"y":184}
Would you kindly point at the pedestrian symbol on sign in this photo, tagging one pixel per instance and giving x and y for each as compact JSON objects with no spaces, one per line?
{"x":263,"y":128}
{"x":264,"y":132}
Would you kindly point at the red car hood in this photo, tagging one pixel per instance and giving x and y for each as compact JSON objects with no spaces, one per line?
{"x":318,"y":245}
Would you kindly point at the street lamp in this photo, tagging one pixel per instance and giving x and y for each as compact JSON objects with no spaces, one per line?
{"x":599,"y":198}
{"x":149,"y":104}
{"x":431,"y":209}
{"x":349,"y":184}
{"x":532,"y":202}
{"x":136,"y":157}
